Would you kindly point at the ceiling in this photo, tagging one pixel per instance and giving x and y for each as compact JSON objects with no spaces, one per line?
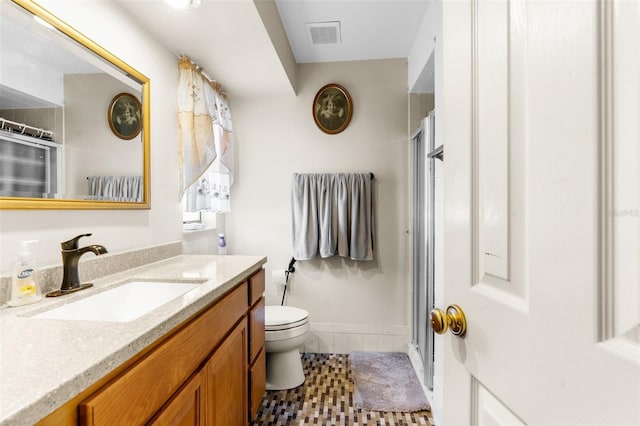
{"x":26,"y":42}
{"x":370,"y":29}
{"x":243,"y":45}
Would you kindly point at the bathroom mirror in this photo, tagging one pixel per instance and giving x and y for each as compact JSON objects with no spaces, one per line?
{"x":58,"y":149}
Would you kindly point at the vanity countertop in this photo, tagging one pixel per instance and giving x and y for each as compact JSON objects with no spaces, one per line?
{"x":44,"y":362}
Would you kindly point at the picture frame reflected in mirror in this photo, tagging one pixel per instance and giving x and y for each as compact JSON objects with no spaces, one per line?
{"x":124,"y":116}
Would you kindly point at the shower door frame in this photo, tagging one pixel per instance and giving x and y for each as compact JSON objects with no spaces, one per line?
{"x":423,"y":273}
{"x":50,"y":160}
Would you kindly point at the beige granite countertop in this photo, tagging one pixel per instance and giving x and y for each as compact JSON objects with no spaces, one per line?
{"x":44,"y":362}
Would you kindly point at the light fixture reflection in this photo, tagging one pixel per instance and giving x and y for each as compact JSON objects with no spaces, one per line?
{"x":41,"y":21}
{"x":183,"y":4}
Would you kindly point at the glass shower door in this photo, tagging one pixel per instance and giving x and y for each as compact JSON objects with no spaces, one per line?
{"x":423,"y":244}
{"x":28,"y":167}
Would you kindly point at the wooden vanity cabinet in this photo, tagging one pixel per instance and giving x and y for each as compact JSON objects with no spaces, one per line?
{"x":216,"y":394}
{"x":204,"y":374}
{"x":257,"y":382}
{"x":257,"y":355}
{"x":226,"y":375}
{"x":187,"y":406}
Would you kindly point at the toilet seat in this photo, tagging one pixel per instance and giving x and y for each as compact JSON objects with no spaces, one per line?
{"x":284,"y":318}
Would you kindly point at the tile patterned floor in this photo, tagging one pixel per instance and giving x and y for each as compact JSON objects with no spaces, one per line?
{"x":326,"y":398}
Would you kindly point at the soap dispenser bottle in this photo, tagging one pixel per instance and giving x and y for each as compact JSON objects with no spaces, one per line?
{"x":25,"y":288}
{"x":222,"y":244}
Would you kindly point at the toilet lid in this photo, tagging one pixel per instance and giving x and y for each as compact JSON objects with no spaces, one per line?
{"x":277,"y":317}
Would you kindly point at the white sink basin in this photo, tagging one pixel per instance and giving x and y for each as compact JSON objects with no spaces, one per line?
{"x":120,"y":304}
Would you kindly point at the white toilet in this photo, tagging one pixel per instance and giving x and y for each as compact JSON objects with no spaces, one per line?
{"x":286,"y":329}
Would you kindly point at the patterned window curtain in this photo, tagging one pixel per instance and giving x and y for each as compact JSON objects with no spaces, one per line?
{"x":206,"y":142}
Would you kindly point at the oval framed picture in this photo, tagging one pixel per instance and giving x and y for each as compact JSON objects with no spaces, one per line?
{"x":124,"y":116}
{"x":332,"y":108}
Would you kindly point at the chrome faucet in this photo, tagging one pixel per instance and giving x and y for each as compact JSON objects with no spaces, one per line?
{"x":70,"y":257}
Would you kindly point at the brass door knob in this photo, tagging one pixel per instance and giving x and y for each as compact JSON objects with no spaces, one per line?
{"x":453,"y":319}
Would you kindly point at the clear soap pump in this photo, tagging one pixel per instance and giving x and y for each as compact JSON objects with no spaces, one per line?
{"x":25,"y":288}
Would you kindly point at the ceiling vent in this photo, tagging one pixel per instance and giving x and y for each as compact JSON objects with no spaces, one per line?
{"x":324,"y":32}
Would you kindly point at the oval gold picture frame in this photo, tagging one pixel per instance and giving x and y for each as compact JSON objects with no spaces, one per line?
{"x":124,"y":116}
{"x":332,"y":108}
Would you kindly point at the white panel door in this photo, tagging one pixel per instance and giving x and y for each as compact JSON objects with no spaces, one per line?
{"x":540,"y":121}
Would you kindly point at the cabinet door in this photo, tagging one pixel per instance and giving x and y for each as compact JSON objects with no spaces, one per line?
{"x":186,"y":407}
{"x":257,"y":383}
{"x":256,"y":330}
{"x":226,"y":378}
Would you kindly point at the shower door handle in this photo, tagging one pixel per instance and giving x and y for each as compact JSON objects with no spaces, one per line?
{"x":453,"y":319}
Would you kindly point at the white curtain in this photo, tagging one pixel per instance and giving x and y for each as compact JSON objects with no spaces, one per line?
{"x":115,"y":188}
{"x":206,"y":142}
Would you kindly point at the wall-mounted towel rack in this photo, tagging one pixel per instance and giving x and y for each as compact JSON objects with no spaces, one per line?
{"x":437,"y":153}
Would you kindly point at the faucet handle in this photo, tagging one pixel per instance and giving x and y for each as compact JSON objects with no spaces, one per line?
{"x":72,"y":244}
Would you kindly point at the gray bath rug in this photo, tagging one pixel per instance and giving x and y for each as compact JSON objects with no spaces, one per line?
{"x":385,"y":381}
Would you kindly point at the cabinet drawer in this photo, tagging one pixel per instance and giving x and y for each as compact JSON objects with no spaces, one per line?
{"x":257,"y":383}
{"x":256,"y":329}
{"x":134,"y":396}
{"x":256,"y":287}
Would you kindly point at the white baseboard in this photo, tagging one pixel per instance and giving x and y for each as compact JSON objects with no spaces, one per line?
{"x":345,"y":338}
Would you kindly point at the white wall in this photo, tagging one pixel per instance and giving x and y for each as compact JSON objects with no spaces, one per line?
{"x":421,"y":59}
{"x":353,"y":305}
{"x":39,"y":81}
{"x":109,"y":26}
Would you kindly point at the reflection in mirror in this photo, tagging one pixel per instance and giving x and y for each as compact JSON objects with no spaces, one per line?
{"x":61,"y":140}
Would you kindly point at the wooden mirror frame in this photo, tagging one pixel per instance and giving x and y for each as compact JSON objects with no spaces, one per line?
{"x":8,"y":203}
